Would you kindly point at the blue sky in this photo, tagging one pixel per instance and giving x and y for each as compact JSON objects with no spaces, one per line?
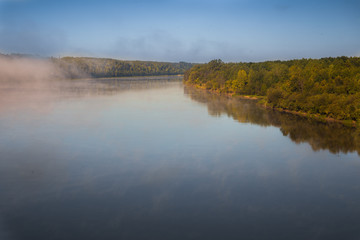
{"x":193,"y":31}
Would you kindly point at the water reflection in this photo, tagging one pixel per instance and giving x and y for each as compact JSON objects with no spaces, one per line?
{"x":116,"y":159}
{"x":40,"y":95}
{"x":321,"y":136}
{"x":112,"y":86}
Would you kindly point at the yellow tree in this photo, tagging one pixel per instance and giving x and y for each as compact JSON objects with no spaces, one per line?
{"x":238,"y":85}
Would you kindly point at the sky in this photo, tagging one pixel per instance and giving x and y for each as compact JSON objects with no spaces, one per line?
{"x":182,"y":30}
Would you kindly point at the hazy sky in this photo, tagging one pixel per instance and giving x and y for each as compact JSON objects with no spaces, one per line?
{"x":182,"y":30}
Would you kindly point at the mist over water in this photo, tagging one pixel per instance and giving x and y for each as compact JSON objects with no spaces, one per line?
{"x":24,"y":80}
{"x":31,"y":83}
{"x":26,"y":70}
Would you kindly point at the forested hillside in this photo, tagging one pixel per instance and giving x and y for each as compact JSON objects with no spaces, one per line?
{"x":327,"y":87}
{"x":103,"y":67}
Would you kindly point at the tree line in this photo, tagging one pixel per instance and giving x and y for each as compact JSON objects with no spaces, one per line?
{"x":80,"y":67}
{"x":327,"y":87}
{"x":103,"y":67}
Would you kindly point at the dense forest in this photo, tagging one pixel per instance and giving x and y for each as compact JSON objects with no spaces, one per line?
{"x":324,"y":88}
{"x":103,"y":67}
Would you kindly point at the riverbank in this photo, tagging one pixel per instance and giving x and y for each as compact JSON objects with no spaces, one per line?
{"x":326,"y":89}
{"x":262,"y":101}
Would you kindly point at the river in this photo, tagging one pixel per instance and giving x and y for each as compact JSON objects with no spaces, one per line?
{"x":149,"y":158}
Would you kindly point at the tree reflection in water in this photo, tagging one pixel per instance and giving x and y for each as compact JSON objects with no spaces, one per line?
{"x":320,"y":136}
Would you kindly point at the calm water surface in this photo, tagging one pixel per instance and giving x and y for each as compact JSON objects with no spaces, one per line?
{"x":147,"y":158}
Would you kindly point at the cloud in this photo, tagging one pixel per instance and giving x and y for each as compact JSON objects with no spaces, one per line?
{"x":32,"y":41}
{"x":26,"y":36}
{"x":164,"y":46}
{"x":153,"y":46}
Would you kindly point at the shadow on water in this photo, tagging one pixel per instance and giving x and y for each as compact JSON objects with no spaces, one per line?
{"x":320,"y":136}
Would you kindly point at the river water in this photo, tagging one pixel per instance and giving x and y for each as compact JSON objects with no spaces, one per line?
{"x":148,"y":158}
